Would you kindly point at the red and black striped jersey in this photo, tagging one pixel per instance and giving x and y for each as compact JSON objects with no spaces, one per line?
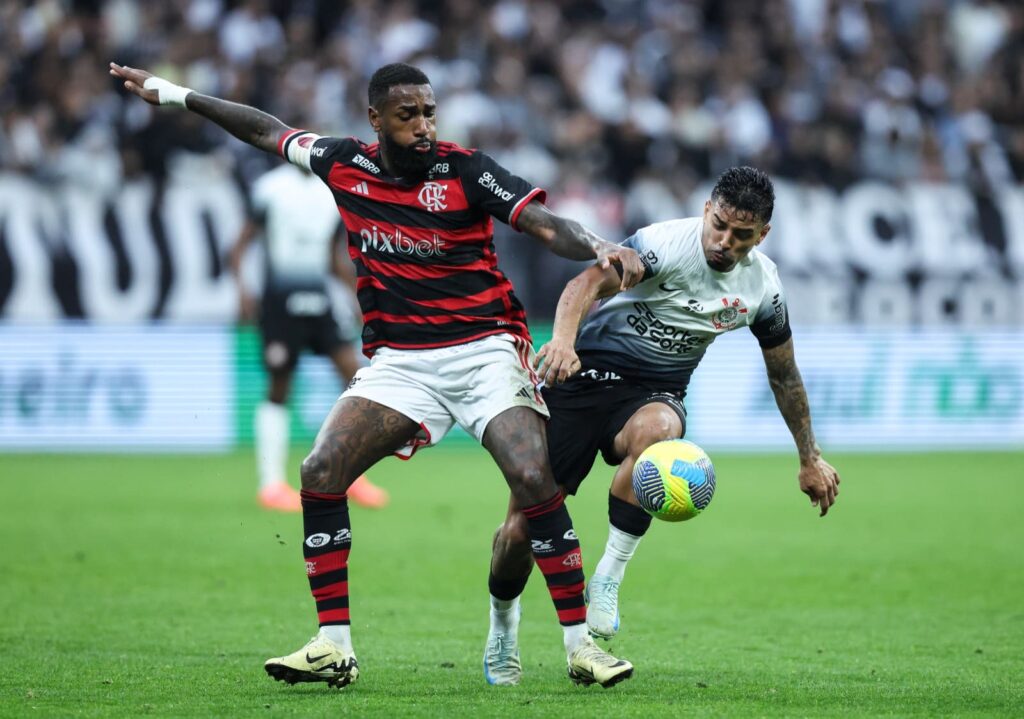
{"x":424,"y":253}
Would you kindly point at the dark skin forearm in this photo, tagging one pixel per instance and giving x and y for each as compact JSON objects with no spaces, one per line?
{"x":248,"y":124}
{"x":566,"y":238}
{"x":791,"y":397}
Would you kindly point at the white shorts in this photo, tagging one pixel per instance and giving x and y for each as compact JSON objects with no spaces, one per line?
{"x":470,"y":383}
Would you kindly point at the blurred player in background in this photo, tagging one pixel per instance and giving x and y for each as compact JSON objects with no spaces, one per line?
{"x":618,"y":388}
{"x":296,"y":216}
{"x":446,"y":334}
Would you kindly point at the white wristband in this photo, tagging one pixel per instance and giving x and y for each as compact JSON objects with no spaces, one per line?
{"x":167,"y":92}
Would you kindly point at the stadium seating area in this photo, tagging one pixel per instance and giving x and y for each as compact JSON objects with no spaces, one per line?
{"x":620,"y":105}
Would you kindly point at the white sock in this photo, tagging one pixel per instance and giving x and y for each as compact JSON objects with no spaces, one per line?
{"x":574,"y":636}
{"x":271,"y":442}
{"x":503,"y":605}
{"x":504,"y":613}
{"x":340,"y":634}
{"x":617,"y":553}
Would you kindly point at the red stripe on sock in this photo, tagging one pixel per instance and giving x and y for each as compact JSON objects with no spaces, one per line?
{"x":570,"y":561}
{"x":341,"y":615}
{"x":548,"y":505}
{"x":339,"y":589}
{"x":326,"y":562}
{"x":566,"y":592}
{"x":576,"y":615}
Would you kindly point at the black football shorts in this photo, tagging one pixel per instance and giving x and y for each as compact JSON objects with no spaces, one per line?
{"x":287,"y":333}
{"x":587,"y":411}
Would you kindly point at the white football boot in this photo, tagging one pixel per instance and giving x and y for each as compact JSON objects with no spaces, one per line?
{"x":602,"y":597}
{"x":321,"y":660}
{"x":589,"y":664}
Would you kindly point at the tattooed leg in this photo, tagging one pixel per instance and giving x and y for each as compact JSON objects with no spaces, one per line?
{"x":357,"y":434}
{"x":517,"y":441}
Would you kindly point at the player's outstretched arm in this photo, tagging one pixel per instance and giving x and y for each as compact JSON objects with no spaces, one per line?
{"x":569,"y":239}
{"x":557,"y":360}
{"x":818,"y":479}
{"x":246,"y":123}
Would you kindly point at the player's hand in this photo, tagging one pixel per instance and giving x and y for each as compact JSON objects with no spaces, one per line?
{"x":133,"y":81}
{"x":626,"y":258}
{"x":556,"y":362}
{"x":820,"y":481}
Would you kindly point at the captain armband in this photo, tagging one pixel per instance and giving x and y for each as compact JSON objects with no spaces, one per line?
{"x":296,"y":146}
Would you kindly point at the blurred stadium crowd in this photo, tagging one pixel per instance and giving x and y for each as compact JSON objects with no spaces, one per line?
{"x":620,"y":108}
{"x":623,"y":105}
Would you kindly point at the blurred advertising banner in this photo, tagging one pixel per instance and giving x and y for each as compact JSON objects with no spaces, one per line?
{"x":137,"y":388}
{"x":869,"y":390}
{"x":157,"y":388}
{"x":873,"y":255}
{"x":935,"y":389}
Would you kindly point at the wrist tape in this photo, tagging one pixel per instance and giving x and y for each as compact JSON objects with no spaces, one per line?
{"x":167,"y":92}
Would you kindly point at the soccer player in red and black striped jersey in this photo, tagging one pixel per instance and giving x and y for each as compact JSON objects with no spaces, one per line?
{"x":446,"y":335}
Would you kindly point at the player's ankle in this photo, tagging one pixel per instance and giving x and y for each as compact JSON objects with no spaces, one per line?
{"x":573,"y":636}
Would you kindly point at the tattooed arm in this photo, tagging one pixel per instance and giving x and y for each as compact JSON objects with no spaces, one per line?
{"x":246,"y":123}
{"x":568,"y":238}
{"x":818,"y":479}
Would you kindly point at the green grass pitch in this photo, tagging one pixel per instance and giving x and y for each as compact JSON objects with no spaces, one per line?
{"x":153,"y":586}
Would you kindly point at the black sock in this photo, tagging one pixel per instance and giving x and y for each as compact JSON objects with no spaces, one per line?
{"x":627,"y":518}
{"x":328,"y":539}
{"x":557,"y":553}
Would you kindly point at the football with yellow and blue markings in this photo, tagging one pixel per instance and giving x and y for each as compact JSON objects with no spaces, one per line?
{"x":674,"y":480}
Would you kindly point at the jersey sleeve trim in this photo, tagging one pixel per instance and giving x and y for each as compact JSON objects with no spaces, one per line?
{"x":536,"y":193}
{"x":296,"y":147}
{"x":774,"y":341}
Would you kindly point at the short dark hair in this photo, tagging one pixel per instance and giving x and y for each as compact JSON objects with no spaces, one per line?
{"x":386,"y":77}
{"x":746,"y":189}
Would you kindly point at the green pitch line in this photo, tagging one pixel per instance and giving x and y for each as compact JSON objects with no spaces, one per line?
{"x":154,"y":586}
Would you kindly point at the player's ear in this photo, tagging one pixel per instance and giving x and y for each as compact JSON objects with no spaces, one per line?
{"x":764,"y":233}
{"x":374,"y":117}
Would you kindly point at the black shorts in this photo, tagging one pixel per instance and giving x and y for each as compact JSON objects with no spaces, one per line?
{"x":587,"y":412}
{"x":288,"y":327}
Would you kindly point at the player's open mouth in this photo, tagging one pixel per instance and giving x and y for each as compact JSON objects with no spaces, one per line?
{"x":422,"y":146}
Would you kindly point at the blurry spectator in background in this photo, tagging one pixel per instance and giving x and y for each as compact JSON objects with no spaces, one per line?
{"x":295,"y":213}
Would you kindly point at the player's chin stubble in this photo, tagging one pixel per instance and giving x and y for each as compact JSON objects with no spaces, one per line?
{"x":406,"y":161}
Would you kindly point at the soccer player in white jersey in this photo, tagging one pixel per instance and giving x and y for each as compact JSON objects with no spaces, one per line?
{"x":618,"y":388}
{"x":296,"y":216}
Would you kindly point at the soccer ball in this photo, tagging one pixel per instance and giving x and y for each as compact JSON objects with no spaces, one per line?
{"x":674,"y":480}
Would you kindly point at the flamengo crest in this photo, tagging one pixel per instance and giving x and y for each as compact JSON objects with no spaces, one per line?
{"x":432,"y":196}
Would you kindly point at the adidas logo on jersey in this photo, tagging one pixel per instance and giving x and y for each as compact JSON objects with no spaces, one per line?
{"x":360,"y":188}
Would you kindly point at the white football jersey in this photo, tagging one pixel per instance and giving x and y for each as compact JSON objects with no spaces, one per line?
{"x":659,"y":330}
{"x":300,"y":219}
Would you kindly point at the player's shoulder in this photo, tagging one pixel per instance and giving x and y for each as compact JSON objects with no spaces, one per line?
{"x":681,"y":228}
{"x":454,"y":150}
{"x":671,"y":235}
{"x":762,"y":264}
{"x":453,"y":159}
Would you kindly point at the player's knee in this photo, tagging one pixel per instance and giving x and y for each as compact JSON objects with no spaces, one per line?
{"x":655,"y":427}
{"x":532,"y":483}
{"x":316,"y":472}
